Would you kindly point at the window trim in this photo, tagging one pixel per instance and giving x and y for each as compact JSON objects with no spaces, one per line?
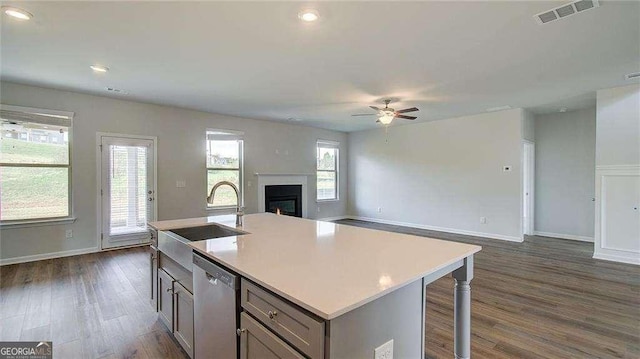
{"x":225,"y":135}
{"x":332,"y":145}
{"x":69,"y":218}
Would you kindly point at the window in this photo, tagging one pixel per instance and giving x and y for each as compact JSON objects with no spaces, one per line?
{"x":224,"y":163}
{"x":327,"y":170}
{"x":35,"y":166}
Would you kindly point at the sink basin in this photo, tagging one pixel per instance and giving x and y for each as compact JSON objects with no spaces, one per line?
{"x":205,"y":232}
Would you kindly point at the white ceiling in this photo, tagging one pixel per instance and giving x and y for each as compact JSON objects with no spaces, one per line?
{"x":257,"y":60}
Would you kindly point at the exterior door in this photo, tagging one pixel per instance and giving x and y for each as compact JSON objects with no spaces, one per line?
{"x":127,"y":190}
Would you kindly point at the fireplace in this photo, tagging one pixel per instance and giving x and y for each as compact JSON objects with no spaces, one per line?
{"x":285,"y":198}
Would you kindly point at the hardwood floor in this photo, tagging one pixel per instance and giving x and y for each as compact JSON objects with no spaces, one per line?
{"x":544,"y":298}
{"x":90,"y":306}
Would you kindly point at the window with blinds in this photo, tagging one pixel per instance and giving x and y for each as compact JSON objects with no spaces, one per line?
{"x":35,"y":164}
{"x":327,"y":170}
{"x":224,"y":163}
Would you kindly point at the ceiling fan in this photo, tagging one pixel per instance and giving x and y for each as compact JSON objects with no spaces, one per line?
{"x":387,"y":114}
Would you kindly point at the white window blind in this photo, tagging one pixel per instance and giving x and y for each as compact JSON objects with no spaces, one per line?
{"x":128,"y":189}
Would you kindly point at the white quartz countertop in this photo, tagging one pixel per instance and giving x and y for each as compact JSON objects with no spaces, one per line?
{"x":326,"y":268}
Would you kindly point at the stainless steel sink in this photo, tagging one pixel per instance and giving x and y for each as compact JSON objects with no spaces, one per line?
{"x":205,"y":232}
{"x":174,"y":243}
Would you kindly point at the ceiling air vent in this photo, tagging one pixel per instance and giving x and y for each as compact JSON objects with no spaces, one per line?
{"x":632,"y":76}
{"x":565,"y":10}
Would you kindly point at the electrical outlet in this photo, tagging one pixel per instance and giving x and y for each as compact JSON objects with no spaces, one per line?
{"x":483,"y":220}
{"x":181,"y":184}
{"x":385,"y":351}
{"x":379,"y":209}
{"x":318,"y":209}
{"x":69,"y":233}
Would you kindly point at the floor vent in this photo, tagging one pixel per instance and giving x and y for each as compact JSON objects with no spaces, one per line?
{"x":565,"y":10}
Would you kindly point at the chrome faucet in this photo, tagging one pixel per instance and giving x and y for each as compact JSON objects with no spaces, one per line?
{"x":239,"y":209}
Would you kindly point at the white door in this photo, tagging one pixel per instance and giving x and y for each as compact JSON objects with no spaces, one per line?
{"x":127,"y":190}
{"x":528,"y":179}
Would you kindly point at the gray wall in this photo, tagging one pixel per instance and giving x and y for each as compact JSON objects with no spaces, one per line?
{"x":565,"y":173}
{"x":618,"y":126}
{"x":181,"y":156}
{"x":441,"y":175}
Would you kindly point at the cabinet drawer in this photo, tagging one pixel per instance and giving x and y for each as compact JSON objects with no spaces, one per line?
{"x":257,"y":342}
{"x":295,"y":326}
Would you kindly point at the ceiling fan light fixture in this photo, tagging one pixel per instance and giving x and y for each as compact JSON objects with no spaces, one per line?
{"x":309,"y":15}
{"x":386,"y":119}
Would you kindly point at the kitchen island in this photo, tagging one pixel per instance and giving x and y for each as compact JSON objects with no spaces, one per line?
{"x":341,"y":291}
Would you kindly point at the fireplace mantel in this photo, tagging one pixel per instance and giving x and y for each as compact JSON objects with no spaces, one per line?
{"x":271,"y":179}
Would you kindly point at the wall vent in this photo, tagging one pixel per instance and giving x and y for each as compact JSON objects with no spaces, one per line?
{"x":565,"y":10}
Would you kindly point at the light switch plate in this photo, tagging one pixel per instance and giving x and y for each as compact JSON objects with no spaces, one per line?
{"x":385,"y":351}
{"x":181,"y":184}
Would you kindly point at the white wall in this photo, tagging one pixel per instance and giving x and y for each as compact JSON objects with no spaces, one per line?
{"x":181,"y":150}
{"x":442,"y":175}
{"x":617,"y":220}
{"x":565,"y":174}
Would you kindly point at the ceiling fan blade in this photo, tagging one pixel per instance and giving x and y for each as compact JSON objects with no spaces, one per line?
{"x":364,"y":114}
{"x":375,"y":108}
{"x":406,"y":117}
{"x":408,"y":110}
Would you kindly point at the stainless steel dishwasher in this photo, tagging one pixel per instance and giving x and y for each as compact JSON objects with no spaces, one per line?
{"x":215,"y":297}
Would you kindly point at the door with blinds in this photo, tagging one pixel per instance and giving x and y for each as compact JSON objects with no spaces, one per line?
{"x":127,"y":190}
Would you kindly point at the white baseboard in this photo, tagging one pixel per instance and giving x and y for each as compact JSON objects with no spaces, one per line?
{"x":441,"y":229}
{"x":328,"y":219}
{"x":39,"y":257}
{"x":617,"y":258}
{"x":564,"y":236}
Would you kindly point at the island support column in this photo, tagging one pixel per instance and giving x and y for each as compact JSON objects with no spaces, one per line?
{"x":462,"y":309}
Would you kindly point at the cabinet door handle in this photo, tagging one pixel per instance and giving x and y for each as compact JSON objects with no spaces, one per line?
{"x":169,"y":290}
{"x":240,"y":331}
{"x":272,"y":314}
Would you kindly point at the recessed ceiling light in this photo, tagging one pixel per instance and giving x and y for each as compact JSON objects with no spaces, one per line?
{"x":17,"y":13}
{"x":98,"y":68}
{"x":308,"y":15}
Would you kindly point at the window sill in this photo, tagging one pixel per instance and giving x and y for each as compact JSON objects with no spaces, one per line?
{"x":327,"y":200}
{"x":38,"y":223}
{"x":222,"y":210}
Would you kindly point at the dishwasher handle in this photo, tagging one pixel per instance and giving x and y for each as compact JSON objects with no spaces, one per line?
{"x":215,"y":274}
{"x":211,"y":279}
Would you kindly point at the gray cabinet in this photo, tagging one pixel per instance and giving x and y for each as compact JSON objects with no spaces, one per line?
{"x":301,"y":329}
{"x":183,"y":317}
{"x":258,"y":342}
{"x":165,"y":298}
{"x":175,"y":309}
{"x":153,"y":262}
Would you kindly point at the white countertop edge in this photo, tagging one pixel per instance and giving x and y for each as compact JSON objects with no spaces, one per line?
{"x":318,"y":312}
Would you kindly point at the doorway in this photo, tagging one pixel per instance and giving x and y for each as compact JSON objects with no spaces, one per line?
{"x":127,"y":170}
{"x":528,"y":187}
